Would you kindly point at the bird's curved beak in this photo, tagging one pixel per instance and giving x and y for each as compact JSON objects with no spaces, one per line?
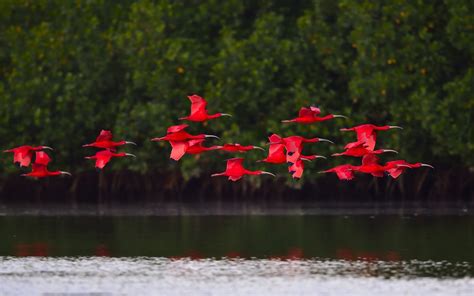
{"x":156,"y":139}
{"x":325,"y":140}
{"x":340,"y":116}
{"x":47,"y":147}
{"x":305,"y":159}
{"x":337,"y":154}
{"x":390,"y":150}
{"x":86,"y":145}
{"x":268,"y":173}
{"x":344,"y":129}
{"x":427,"y":165}
{"x":88,"y":157}
{"x":226,"y":114}
{"x":211,"y":136}
{"x":286,"y":121}
{"x":320,"y":156}
{"x":395,"y":126}
{"x":9,"y":150}
{"x":130,"y":154}
{"x":322,"y":172}
{"x":65,"y":173}
{"x":131,"y":143}
{"x":258,"y":147}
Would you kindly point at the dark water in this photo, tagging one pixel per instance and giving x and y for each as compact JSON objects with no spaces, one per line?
{"x":389,"y":238}
{"x":237,"y":255}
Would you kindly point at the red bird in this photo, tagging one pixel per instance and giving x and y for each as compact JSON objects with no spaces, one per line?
{"x":193,"y":146}
{"x":310,"y":115}
{"x":343,"y":172}
{"x":196,"y":147}
{"x":177,"y":133}
{"x":360,"y":151}
{"x":239,"y":148}
{"x":104,"y":156}
{"x":296,"y":169}
{"x":276,"y":151}
{"x":104,"y":140}
{"x":366,"y":135}
{"x":40,"y":167}
{"x":198,"y":110}
{"x":294,"y":146}
{"x":396,"y":167}
{"x":22,"y":155}
{"x":235,"y":170}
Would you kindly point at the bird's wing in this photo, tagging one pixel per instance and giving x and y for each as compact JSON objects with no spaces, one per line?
{"x":276,"y":150}
{"x":38,"y":168}
{"x":370,"y":159}
{"x":274,"y":138}
{"x":305,"y":112}
{"x":176,"y":128}
{"x":297,"y":169}
{"x":345,"y":173}
{"x":195,"y":142}
{"x":316,"y":111}
{"x":395,"y":172}
{"x":198,"y":104}
{"x":42,"y":158}
{"x":104,"y":136}
{"x":234,"y":178}
{"x":178,"y":149}
{"x":234,"y":164}
{"x":103,"y":158}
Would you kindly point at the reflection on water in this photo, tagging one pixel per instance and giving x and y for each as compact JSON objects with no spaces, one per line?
{"x":163,"y":276}
{"x":368,"y":238}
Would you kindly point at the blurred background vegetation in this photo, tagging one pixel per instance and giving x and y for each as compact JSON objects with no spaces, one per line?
{"x":71,"y":68}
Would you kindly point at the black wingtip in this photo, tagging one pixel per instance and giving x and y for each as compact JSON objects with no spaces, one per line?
{"x":289,"y":163}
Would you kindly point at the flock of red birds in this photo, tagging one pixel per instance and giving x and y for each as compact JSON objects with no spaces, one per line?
{"x":286,"y":150}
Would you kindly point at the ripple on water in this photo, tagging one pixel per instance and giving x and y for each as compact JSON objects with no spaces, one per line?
{"x":163,"y":276}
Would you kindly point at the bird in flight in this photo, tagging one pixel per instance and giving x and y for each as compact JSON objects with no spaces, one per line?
{"x":22,"y":155}
{"x":311,"y":114}
{"x":104,"y":156}
{"x":40,"y":167}
{"x":367,"y":134}
{"x":235,"y":170}
{"x":104,"y":140}
{"x":199,"y":112}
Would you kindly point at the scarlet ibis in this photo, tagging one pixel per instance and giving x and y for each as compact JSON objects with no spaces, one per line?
{"x":343,"y":172}
{"x":366,"y":134}
{"x":178,"y":133}
{"x":104,"y":140}
{"x":198,"y":110}
{"x":396,"y":167}
{"x":276,"y":151}
{"x":40,"y":167}
{"x":22,"y":155}
{"x":294,"y":146}
{"x":196,"y":147}
{"x":296,"y":168}
{"x":309,"y":115}
{"x":360,"y":151}
{"x":192,"y":146}
{"x":371,"y":165}
{"x":104,"y":156}
{"x":235,"y":170}
{"x":239,"y":148}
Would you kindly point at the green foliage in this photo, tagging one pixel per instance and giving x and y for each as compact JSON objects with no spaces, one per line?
{"x":71,"y":68}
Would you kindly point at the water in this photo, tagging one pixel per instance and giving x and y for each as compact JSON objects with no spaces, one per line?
{"x":237,"y":255}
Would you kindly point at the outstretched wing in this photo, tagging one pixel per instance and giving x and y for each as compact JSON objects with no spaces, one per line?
{"x":234,"y":164}
{"x":344,"y":172}
{"x":176,"y":128}
{"x":274,"y":138}
{"x":22,"y":156}
{"x":305,"y":112}
{"x":103,"y":158}
{"x":316,"y":111}
{"x":198,"y":104}
{"x":38,"y":168}
{"x":195,"y":142}
{"x":104,"y":136}
{"x":178,"y":149}
{"x":42,"y":158}
{"x":370,"y":159}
